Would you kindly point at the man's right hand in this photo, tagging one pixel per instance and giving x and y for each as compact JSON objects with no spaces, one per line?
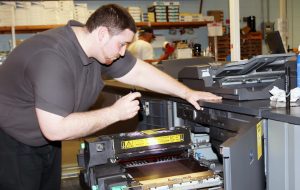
{"x":126,"y":107}
{"x":80,"y":124}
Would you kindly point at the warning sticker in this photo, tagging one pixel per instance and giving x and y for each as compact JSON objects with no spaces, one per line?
{"x":259,"y":133}
{"x":152,"y":141}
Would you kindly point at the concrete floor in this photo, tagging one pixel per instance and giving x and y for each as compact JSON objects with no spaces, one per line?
{"x":70,"y":169}
{"x":71,"y":184}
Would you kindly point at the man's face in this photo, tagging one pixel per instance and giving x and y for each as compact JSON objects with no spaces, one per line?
{"x":150,"y":37}
{"x":114,"y":46}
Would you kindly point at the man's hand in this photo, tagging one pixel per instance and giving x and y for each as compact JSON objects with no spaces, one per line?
{"x":126,"y":107}
{"x":193,"y":96}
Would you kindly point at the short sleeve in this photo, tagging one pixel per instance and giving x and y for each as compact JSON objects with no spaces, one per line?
{"x":147,"y":52}
{"x":121,"y":66}
{"x":52,"y":82}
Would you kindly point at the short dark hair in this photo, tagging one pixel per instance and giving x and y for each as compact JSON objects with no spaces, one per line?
{"x":146,"y":29}
{"x":112,"y":16}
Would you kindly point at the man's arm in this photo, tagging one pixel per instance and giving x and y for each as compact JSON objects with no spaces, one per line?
{"x":55,"y":127}
{"x":147,"y":76}
{"x":162,"y":57}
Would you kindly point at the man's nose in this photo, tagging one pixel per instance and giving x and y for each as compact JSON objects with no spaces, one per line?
{"x":122,"y":51}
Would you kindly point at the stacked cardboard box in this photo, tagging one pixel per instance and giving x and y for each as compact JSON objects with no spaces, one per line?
{"x":145,"y":17}
{"x":190,"y":17}
{"x":6,"y":13}
{"x":160,"y":12}
{"x":65,"y":11}
{"x":151,"y":16}
{"x":81,"y":12}
{"x":173,"y":11}
{"x":37,"y":12}
{"x":136,"y":13}
{"x":164,"y":11}
{"x":217,"y":14}
{"x":22,"y":18}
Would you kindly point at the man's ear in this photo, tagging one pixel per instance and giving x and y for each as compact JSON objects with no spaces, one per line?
{"x":102,"y":33}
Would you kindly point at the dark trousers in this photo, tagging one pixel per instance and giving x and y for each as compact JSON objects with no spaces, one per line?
{"x":29,"y":168}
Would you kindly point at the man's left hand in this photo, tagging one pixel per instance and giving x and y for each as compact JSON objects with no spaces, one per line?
{"x":193,"y":96}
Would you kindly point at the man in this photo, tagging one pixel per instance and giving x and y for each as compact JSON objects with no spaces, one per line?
{"x":142,"y":47}
{"x":49,"y":81}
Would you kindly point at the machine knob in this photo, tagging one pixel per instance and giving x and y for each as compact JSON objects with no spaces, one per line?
{"x":195,"y":114}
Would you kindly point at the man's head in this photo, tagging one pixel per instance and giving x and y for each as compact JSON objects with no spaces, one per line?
{"x":113,"y":29}
{"x":112,"y":16}
{"x":146,"y":33}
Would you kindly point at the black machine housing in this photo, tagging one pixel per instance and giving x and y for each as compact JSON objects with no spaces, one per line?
{"x":243,"y":80}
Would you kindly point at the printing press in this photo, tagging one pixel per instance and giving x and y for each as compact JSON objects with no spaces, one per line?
{"x":242,"y":80}
{"x":221,"y":146}
{"x":151,"y":159}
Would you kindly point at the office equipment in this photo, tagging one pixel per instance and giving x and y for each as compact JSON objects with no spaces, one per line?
{"x":243,"y":80}
{"x":240,"y":134}
{"x":236,"y":138}
{"x":150,"y":159}
{"x":173,"y":66}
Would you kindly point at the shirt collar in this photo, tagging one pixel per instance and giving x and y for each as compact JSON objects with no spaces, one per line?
{"x":84,"y":58}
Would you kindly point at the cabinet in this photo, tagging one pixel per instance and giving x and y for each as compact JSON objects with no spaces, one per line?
{"x":283,"y":155}
{"x":155,"y":25}
{"x":251,"y":45}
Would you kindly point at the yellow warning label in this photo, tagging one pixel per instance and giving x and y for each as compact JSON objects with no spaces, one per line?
{"x":259,"y":133}
{"x":152,"y":141}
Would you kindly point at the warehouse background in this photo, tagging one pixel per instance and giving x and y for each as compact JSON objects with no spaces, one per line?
{"x":263,"y":10}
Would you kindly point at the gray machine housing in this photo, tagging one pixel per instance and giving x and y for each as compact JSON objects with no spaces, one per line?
{"x":234,"y":138}
{"x":173,"y":66}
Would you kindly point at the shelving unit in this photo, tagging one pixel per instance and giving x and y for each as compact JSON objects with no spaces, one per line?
{"x":168,"y":25}
{"x":26,"y":29}
{"x":251,"y":45}
{"x":155,"y":25}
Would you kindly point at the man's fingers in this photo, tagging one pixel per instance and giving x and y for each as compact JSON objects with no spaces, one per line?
{"x":133,"y":95}
{"x":196,"y":105}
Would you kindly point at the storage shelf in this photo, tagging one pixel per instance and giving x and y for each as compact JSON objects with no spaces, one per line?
{"x":27,"y":29}
{"x":155,"y":25}
{"x":168,"y":25}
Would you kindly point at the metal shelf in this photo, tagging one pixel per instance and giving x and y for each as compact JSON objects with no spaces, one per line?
{"x":155,"y":25}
